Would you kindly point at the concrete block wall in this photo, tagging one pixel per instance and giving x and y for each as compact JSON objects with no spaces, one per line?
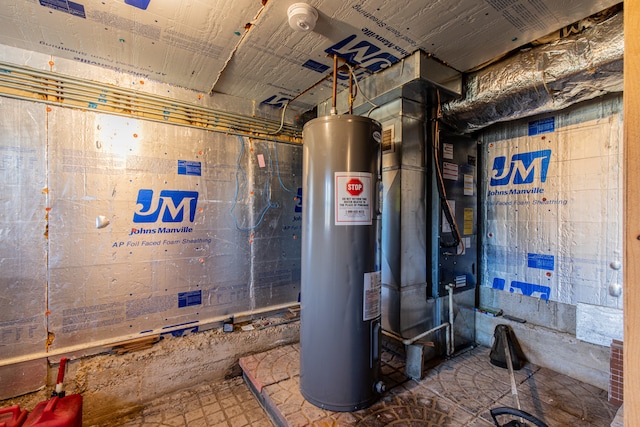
{"x":547,"y":337}
{"x":117,"y":385}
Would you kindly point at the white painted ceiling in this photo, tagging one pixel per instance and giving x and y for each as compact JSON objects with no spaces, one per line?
{"x":247,"y":49}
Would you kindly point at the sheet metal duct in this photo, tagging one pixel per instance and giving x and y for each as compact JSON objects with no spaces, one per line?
{"x":340,"y":300}
{"x":416,"y":264}
{"x":407,"y":265}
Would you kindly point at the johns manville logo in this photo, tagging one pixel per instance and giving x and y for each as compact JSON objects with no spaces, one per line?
{"x":362,"y":52}
{"x":170,"y":206}
{"x":523,"y":169}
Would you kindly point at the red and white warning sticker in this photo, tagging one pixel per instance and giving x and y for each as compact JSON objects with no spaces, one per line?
{"x":372,"y":296}
{"x":353,"y":198}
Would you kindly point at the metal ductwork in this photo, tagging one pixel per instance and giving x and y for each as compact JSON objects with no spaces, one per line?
{"x":544,"y":78}
{"x":419,"y":268}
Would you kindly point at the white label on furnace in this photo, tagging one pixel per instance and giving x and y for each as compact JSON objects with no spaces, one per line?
{"x":450,"y":171}
{"x":353,"y":198}
{"x":447,"y":151}
{"x":372,"y":301}
{"x":468,"y":185}
{"x":446,"y":227}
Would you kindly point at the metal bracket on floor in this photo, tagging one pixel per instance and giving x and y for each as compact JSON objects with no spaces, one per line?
{"x":414,"y":350}
{"x":414,"y":364}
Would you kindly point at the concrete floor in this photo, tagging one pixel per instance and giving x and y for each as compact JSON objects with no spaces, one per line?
{"x":455,"y":392}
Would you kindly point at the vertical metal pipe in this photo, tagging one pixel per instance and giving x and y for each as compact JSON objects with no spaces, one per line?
{"x":334,"y":94}
{"x":451,"y":347}
{"x":350,"y":92}
{"x":432,"y":216}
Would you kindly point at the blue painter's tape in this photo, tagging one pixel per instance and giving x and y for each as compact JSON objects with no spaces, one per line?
{"x":66,"y":6}
{"x":315,"y":66}
{"x":541,"y":261}
{"x":529,"y":289}
{"x":538,"y":127}
{"x":181,"y":324}
{"x":187,"y":299}
{"x":186,"y":330}
{"x":140,"y":4}
{"x":498,"y":283}
{"x":180,"y":332}
{"x":186,"y":167}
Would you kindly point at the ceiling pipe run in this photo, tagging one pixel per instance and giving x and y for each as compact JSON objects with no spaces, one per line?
{"x":20,"y":82}
{"x":334,"y":92}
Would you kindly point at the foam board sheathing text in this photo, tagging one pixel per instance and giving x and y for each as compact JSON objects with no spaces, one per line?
{"x":23,"y":224}
{"x":204,"y":45}
{"x":171,"y":254}
{"x":552,"y":190}
{"x":273,"y":63}
{"x":23,"y":253}
{"x":182,"y":43}
{"x":69,"y":170}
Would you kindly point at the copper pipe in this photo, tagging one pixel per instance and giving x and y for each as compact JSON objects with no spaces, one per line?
{"x":335,"y":85}
{"x":350,"y":92}
{"x":310,"y":87}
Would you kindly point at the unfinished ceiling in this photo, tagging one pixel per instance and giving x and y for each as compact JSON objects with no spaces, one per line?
{"x":246,"y":49}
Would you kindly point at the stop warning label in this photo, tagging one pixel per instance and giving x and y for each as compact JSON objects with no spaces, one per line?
{"x":354,"y":187}
{"x":353,"y":198}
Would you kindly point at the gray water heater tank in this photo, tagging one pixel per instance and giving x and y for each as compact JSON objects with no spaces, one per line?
{"x":341,"y":289}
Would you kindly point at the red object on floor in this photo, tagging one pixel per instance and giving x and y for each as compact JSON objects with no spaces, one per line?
{"x":12,"y":416}
{"x":57,"y":412}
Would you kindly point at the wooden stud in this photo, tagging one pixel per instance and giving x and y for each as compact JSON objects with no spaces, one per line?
{"x":631,"y":357}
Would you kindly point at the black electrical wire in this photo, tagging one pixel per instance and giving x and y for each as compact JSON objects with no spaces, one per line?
{"x":446,"y":208}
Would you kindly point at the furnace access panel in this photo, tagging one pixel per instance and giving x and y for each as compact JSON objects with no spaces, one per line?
{"x":458,"y":160}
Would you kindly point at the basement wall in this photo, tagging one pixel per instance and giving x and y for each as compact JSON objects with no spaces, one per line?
{"x":114,"y":385}
{"x":552,"y":236}
{"x":116,"y":228}
{"x":61,"y":260}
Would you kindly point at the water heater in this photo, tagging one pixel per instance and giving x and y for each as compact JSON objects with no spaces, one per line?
{"x":341,"y":288}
